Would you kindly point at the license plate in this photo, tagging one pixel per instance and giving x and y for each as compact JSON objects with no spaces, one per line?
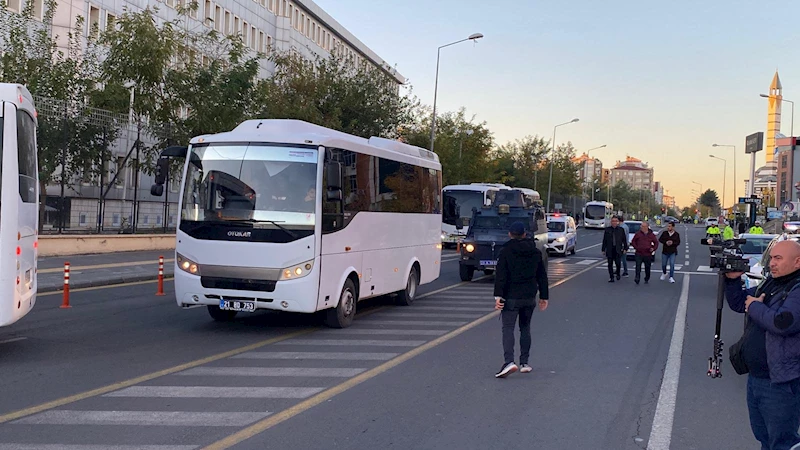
{"x":237,"y":305}
{"x":487,"y":262}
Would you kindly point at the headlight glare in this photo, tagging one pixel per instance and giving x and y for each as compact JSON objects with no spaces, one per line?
{"x":187,"y":265}
{"x":561,"y":239}
{"x":469,"y":248}
{"x":298,"y":271}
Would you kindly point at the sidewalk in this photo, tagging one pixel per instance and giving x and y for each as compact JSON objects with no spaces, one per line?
{"x":103,"y":269}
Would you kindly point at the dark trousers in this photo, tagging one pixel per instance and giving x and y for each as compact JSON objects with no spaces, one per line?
{"x":524,"y":310}
{"x":614,"y":259}
{"x":774,"y":412}
{"x":647,"y":260}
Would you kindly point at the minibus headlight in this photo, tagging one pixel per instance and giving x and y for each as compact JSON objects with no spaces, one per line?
{"x":298,"y":271}
{"x":187,"y":265}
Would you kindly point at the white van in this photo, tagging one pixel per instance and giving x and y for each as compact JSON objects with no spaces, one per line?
{"x":562,"y":234}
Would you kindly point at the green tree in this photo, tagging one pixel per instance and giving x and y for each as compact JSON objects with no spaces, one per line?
{"x":710,"y":200}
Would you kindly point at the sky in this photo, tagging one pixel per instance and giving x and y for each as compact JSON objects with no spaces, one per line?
{"x":660,"y":82}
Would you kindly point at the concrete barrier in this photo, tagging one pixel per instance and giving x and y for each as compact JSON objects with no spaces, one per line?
{"x":86,"y":244}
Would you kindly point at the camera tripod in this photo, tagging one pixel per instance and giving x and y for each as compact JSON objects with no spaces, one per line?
{"x":715,"y":361}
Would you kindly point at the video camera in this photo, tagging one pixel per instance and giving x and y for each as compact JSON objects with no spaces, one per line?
{"x":726,"y":255}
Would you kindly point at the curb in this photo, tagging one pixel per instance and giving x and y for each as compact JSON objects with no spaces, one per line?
{"x":77,"y":284}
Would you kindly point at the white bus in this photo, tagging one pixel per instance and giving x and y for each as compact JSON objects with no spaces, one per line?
{"x":290,"y":216}
{"x":531,"y":197}
{"x":597,"y":214}
{"x":19,"y":203}
{"x":459,"y":201}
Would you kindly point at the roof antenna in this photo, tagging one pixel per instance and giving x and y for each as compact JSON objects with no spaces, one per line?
{"x":259,"y":125}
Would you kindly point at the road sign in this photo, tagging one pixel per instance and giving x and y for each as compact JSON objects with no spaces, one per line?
{"x":756,"y":201}
{"x":754,"y":142}
{"x":558,"y":206}
{"x":788,"y":207}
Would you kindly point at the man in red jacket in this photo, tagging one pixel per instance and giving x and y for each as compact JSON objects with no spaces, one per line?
{"x":645,"y":243}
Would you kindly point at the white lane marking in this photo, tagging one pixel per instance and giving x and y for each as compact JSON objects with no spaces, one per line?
{"x":453,"y":308}
{"x":313,"y":356}
{"x":93,"y":447}
{"x":214,"y":392}
{"x":587,"y":262}
{"x":146,"y":418}
{"x":460,"y":301}
{"x":704,"y":269}
{"x":271,"y":372}
{"x":426,"y":323}
{"x":16,"y":339}
{"x":382,"y":332}
{"x":676,"y":272}
{"x":433,"y":315}
{"x":353,"y":342}
{"x":661,"y":432}
{"x":587,"y":248}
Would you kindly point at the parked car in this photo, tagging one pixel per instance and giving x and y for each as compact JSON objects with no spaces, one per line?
{"x":712,"y":221}
{"x":759,"y":265}
{"x":791,"y":227}
{"x":670,"y":219}
{"x":632,"y":227}
{"x":562,"y":234}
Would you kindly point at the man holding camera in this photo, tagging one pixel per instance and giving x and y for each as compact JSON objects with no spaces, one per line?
{"x":770,"y":347}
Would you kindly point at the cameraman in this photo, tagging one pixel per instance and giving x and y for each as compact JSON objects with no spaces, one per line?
{"x":770,"y":347}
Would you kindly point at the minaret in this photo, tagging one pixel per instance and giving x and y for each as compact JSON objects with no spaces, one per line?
{"x":774,"y":116}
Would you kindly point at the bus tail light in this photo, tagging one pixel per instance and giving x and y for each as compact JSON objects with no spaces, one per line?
{"x":19,"y":250}
{"x":298,"y":271}
{"x":187,"y":265}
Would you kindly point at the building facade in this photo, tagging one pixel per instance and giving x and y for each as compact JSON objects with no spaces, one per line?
{"x":265,"y":26}
{"x":589,"y":169}
{"x":634,"y":173}
{"x":785,"y":169}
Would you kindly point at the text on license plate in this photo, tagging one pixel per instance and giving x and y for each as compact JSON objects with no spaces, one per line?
{"x":488,"y":262}
{"x":237,"y":305}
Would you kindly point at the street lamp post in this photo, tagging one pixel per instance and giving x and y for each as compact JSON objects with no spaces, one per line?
{"x":552,"y":155}
{"x":724,"y":171}
{"x":469,"y":132}
{"x":473,"y":37}
{"x":586,"y":170}
{"x":734,"y":167}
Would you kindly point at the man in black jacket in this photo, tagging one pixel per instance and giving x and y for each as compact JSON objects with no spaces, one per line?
{"x":615,"y":245}
{"x":519,"y":275}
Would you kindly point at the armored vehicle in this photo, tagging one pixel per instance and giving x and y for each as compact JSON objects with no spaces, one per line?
{"x":488,"y":231}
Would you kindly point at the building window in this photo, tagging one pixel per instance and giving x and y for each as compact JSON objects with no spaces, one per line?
{"x":218,"y":19}
{"x":38,"y":9}
{"x":14,"y":5}
{"x":253,"y":38}
{"x":237,"y":25}
{"x":94,"y":21}
{"x":82,"y":219}
{"x":227,"y":23}
{"x":209,"y":11}
{"x":111,"y":21}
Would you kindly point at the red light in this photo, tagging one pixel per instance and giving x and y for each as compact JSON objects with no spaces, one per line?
{"x":19,"y":250}
{"x":556,"y":215}
{"x":35,"y":244}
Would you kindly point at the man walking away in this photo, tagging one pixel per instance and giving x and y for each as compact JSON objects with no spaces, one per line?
{"x":615,"y":244}
{"x":519,"y":275}
{"x":670,"y":240}
{"x":645,"y":243}
{"x":742,"y":227}
{"x":770,"y":347}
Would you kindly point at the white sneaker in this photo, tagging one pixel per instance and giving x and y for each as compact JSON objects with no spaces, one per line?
{"x":663,"y":277}
{"x":525,"y":368}
{"x":671,"y":280}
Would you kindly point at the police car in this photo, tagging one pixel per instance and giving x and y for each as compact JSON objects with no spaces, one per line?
{"x":562,"y":234}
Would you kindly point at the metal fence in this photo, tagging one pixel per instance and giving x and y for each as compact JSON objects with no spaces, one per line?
{"x":97,"y":185}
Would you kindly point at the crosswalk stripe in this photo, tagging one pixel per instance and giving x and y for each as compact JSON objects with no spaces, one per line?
{"x":271,"y":372}
{"x":383,"y":332}
{"x":452,"y":308}
{"x":352,"y":356}
{"x":214,"y":392}
{"x":704,"y":269}
{"x":144,"y":418}
{"x":453,"y":301}
{"x":426,"y":323}
{"x":463,"y":298}
{"x":352,"y":342}
{"x":432,"y":315}
{"x":586,"y":262}
{"x":93,"y":447}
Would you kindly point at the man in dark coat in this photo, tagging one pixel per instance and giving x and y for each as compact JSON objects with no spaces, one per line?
{"x":615,"y":244}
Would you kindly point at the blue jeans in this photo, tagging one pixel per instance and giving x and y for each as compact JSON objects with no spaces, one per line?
{"x":774,"y":412}
{"x":668,"y":259}
{"x":624,"y":263}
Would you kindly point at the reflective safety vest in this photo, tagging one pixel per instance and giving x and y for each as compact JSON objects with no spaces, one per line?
{"x":755,"y":229}
{"x":713,"y":230}
{"x":727,"y":234}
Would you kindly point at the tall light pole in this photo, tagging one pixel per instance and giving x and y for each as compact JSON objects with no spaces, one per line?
{"x":724,"y":171}
{"x":552,"y":155}
{"x":734,"y":167}
{"x":473,"y":37}
{"x":586,"y":170}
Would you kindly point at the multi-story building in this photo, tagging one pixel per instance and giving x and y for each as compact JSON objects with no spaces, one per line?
{"x":589,"y":169}
{"x":785,"y":169}
{"x":265,"y":26}
{"x":668,"y":201}
{"x":633,"y":172}
{"x":658,"y":193}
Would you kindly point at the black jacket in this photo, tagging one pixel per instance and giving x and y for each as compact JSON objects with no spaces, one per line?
{"x":520,"y":271}
{"x":617,"y":235}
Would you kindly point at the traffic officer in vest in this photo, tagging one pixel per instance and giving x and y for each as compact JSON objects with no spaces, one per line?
{"x":713,"y":230}
{"x":727,"y":233}
{"x":756,"y":229}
